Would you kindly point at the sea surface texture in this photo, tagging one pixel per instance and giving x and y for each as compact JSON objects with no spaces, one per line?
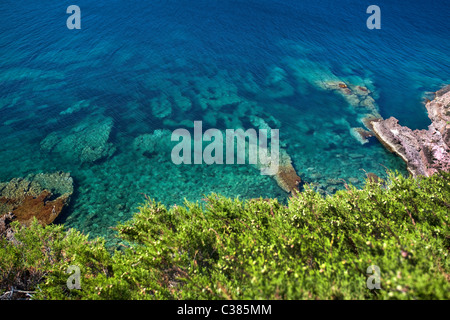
{"x":101,"y":102}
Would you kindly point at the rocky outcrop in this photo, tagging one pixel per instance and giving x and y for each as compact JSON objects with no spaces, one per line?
{"x":424,"y":151}
{"x":76,"y":107}
{"x":357,"y":96}
{"x":361,"y":134}
{"x":41,"y":196}
{"x":362,"y":99}
{"x":287,"y":177}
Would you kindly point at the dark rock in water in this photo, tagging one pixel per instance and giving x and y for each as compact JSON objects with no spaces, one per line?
{"x":361,"y":88}
{"x":40,"y":196}
{"x":361,"y":134}
{"x":286,"y":176}
{"x":316,"y":176}
{"x":424,"y":151}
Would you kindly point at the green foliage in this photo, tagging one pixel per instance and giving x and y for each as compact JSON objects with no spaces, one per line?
{"x":313,"y":248}
{"x":41,"y":256}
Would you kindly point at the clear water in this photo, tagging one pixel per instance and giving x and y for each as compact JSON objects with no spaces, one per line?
{"x":63,"y":83}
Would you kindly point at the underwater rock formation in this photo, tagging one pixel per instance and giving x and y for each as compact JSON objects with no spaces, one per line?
{"x":286,"y":176}
{"x":424,"y":151}
{"x":277,"y":85}
{"x":361,"y":134}
{"x":87,"y":142}
{"x":267,"y":123}
{"x":78,"y":106}
{"x":361,"y":98}
{"x":158,"y":142}
{"x":161,"y":107}
{"x":216,"y":93}
{"x":356,"y":95}
{"x":182,"y":102}
{"x":42,"y":196}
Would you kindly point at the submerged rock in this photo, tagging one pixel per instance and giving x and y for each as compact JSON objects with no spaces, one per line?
{"x":361,"y":98}
{"x":149,"y":144}
{"x":286,"y":176}
{"x":41,"y":196}
{"x":216,"y":94}
{"x":424,"y":151}
{"x":88,"y":141}
{"x":361,"y":134}
{"x":182,"y":102}
{"x":358,"y":96}
{"x":76,"y":107}
{"x":161,"y":107}
{"x":277,"y":85}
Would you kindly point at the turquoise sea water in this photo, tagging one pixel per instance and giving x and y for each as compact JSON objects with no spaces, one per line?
{"x":89,"y":101}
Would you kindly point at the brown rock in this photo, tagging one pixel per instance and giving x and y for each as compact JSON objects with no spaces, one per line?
{"x":424,"y":151}
{"x":42,"y":208}
{"x":361,"y":134}
{"x":41,"y":196}
{"x":362,"y":88}
{"x":287,"y":177}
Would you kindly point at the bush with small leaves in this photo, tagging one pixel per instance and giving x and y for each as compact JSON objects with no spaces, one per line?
{"x":314,"y":247}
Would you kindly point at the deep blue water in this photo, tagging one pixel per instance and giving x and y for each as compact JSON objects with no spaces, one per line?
{"x":218,"y":58}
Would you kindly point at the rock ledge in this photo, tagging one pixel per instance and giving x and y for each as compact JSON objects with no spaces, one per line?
{"x":424,"y":151}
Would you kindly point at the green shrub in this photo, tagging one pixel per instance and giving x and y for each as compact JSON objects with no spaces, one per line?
{"x":313,"y":248}
{"x":40,"y":256}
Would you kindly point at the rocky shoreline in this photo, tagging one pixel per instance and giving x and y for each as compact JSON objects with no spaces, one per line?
{"x":424,"y":151}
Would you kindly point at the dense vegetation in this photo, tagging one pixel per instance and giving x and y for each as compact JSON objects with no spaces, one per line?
{"x":314,"y":247}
